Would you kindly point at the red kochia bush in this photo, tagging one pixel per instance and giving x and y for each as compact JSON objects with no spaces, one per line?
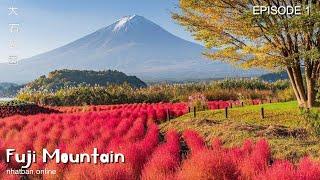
{"x":165,"y":160}
{"x":209,"y":164}
{"x":205,"y":163}
{"x":284,"y":170}
{"x":137,"y":131}
{"x":308,"y":170}
{"x":256,"y":161}
{"x":194,"y":141}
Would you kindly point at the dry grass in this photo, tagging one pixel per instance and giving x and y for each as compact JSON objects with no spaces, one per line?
{"x":283,"y":126}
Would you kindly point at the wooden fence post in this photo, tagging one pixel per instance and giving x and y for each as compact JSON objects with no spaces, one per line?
{"x":194,"y":112}
{"x":242,"y":104}
{"x":168,"y":115}
{"x":262,"y":113}
{"x":226,"y":112}
{"x":189,"y":109}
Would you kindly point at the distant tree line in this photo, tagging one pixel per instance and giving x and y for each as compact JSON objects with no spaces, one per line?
{"x":229,"y":89}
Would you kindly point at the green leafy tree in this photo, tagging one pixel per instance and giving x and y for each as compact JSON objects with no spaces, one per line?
{"x":275,"y":42}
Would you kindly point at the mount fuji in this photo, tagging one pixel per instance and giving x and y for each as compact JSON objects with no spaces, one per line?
{"x":133,"y":45}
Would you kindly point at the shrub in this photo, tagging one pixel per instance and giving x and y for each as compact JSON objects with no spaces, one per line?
{"x":198,"y":101}
{"x":312,"y":118}
{"x":165,"y":160}
{"x":286,"y":94}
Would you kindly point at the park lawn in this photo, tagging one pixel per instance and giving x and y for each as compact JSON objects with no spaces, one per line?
{"x":284,"y":127}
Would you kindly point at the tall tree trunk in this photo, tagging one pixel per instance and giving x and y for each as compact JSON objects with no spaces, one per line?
{"x":297,"y":74}
{"x":294,"y":87}
{"x":311,"y":73}
{"x":310,"y":82}
{"x":305,"y":93}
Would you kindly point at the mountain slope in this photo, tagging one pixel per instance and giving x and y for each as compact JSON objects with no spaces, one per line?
{"x":272,"y":77}
{"x":9,"y":89}
{"x":133,"y":45}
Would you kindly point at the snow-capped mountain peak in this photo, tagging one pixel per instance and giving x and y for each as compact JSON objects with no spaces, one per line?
{"x":124,"y":23}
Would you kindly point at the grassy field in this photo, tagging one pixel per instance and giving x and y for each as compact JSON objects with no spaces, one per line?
{"x":283,"y":126}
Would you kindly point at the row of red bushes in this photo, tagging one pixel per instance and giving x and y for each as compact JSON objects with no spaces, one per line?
{"x":157,"y":109}
{"x":29,"y":109}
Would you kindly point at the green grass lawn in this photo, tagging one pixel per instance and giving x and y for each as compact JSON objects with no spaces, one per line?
{"x":283,"y":126}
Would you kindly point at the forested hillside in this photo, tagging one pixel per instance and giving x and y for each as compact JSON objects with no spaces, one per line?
{"x":70,"y":78}
{"x":9,"y":89}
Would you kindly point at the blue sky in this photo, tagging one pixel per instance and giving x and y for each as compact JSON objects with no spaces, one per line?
{"x":48,"y":24}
